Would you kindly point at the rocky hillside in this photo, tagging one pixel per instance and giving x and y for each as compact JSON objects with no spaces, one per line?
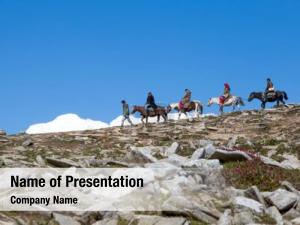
{"x":244,"y":167}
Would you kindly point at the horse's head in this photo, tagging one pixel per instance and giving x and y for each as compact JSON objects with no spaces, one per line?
{"x":174,"y":106}
{"x":251,"y":97}
{"x":134,"y":109}
{"x":168,"y":108}
{"x":210,"y":102}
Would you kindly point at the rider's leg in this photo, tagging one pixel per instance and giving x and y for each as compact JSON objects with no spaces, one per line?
{"x":143,"y":117}
{"x":221,"y":108}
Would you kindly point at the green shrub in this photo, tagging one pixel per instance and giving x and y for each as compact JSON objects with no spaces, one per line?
{"x":243,"y":175}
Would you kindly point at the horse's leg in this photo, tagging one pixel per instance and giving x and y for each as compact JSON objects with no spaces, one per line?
{"x":281,"y":99}
{"x":233,"y":108}
{"x":197,"y":110}
{"x":158,"y":118}
{"x":142,"y":119}
{"x":179,"y":114}
{"x":165,"y":117}
{"x":185,"y":113}
{"x":263,"y":105}
{"x":221,"y":110}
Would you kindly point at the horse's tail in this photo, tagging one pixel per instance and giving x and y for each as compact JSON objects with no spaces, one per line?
{"x":200,"y":108}
{"x":241,"y":102}
{"x":285,"y":95}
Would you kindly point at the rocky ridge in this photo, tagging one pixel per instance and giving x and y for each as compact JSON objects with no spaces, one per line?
{"x":200,"y":149}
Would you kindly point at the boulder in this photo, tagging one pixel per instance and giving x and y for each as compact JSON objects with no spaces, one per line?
{"x":27,"y":143}
{"x":4,"y":220}
{"x":270,"y":161}
{"x":141,"y":155}
{"x":243,"y":218}
{"x":183,"y":207}
{"x":107,"y":222}
{"x":209,"y":150}
{"x":226,"y":218}
{"x":62,"y":163}
{"x":39,"y":159}
{"x":168,"y":170}
{"x":254,"y":193}
{"x":286,"y":164}
{"x":290,"y":187}
{"x":20,"y":148}
{"x":172,"y":149}
{"x":291,"y":214}
{"x":176,"y":160}
{"x":204,"y":142}
{"x":202,"y":216}
{"x":229,"y":156}
{"x":158,"y":220}
{"x":296,"y":221}
{"x":275,"y":214}
{"x":298,"y":207}
{"x":290,"y":162}
{"x":198,"y":154}
{"x":242,"y":202}
{"x":65,"y":220}
{"x":283,"y":200}
{"x":204,"y":164}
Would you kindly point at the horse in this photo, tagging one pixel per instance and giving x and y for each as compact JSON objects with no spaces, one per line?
{"x":278,"y":96}
{"x":233,"y":101}
{"x":194,"y":106}
{"x":159,"y":112}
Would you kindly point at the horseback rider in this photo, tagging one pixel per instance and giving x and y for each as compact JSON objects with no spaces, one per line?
{"x":150,"y":103}
{"x":269,"y":89}
{"x":186,"y":100}
{"x":226,"y":94}
{"x":126,"y":113}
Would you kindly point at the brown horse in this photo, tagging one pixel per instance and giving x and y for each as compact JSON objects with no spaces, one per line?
{"x":159,"y":112}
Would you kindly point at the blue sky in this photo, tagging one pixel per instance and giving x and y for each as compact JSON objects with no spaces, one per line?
{"x":85,"y":56}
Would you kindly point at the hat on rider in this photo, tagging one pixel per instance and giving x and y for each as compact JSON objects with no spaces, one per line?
{"x":268,"y":79}
{"x":123,"y":101}
{"x":226,"y":85}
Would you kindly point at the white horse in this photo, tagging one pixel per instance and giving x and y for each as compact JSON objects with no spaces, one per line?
{"x":194,"y":106}
{"x":233,"y":101}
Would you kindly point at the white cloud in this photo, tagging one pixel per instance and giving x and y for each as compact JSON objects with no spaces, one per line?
{"x":72,"y":122}
{"x":64,"y":123}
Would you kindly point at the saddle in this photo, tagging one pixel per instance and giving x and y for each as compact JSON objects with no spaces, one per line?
{"x":184,"y":105}
{"x":223,"y":99}
{"x":271,"y":94}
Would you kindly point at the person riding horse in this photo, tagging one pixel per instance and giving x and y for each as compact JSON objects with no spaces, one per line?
{"x":186,"y":100}
{"x":226,"y":94}
{"x":150,"y":103}
{"x":269,"y":89}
